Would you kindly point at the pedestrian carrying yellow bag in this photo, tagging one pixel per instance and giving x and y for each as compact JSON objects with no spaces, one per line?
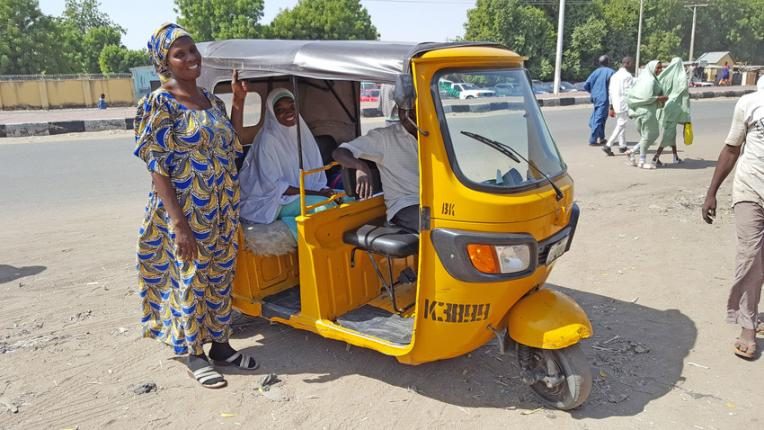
{"x":688,"y":136}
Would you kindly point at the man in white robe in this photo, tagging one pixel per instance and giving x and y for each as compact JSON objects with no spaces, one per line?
{"x":620,"y":84}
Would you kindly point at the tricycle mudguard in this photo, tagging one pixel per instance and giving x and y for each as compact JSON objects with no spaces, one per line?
{"x":548,"y":319}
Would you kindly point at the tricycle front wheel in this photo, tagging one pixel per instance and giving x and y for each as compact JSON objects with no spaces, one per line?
{"x":562,"y":377}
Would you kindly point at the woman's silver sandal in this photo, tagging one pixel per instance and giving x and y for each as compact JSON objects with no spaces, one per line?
{"x":208,"y":377}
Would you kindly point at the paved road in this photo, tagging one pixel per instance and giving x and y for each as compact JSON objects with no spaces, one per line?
{"x":28,"y":116}
{"x":58,"y":172}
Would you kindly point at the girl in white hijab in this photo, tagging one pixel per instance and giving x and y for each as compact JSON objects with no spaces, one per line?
{"x":270,"y":175}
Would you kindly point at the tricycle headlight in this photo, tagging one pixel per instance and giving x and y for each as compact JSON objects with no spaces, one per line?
{"x":497,"y":259}
{"x":514,"y":258}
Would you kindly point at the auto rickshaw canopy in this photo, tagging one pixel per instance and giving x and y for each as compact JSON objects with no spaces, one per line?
{"x":348,"y":60}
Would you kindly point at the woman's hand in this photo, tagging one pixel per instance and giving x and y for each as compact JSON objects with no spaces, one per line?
{"x":186,"y":248}
{"x":239,"y":88}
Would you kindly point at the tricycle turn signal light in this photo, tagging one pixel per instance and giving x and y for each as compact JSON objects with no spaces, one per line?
{"x":483,"y":257}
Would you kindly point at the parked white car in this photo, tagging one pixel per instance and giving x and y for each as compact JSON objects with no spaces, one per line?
{"x":471,"y":91}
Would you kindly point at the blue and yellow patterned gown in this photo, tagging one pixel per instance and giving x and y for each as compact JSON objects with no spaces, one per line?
{"x":186,"y":304}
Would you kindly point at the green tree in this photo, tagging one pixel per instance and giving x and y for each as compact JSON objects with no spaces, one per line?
{"x":85,"y":14}
{"x":93,"y":43}
{"x":664,"y":24}
{"x":324,"y":19}
{"x":662,"y":45}
{"x":26,"y":39}
{"x":221,"y":19}
{"x":731,"y":25}
{"x":575,"y":14}
{"x":588,"y":43}
{"x":118,"y":59}
{"x":621,"y":19}
{"x":83,"y":31}
{"x":525,"y":29}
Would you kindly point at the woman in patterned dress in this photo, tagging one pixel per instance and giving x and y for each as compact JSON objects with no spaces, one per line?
{"x":188,"y":244}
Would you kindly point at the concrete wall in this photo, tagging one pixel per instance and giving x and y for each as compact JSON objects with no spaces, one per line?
{"x":74,"y":92}
{"x":145,"y":80}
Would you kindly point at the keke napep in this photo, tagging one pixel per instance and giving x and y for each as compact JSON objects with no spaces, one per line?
{"x":496,"y":211}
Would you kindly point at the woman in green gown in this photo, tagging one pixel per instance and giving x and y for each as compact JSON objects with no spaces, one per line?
{"x":676,"y":111}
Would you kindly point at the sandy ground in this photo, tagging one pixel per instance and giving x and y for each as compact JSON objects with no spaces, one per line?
{"x":651,"y":275}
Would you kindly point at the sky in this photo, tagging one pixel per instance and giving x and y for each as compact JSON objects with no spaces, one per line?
{"x":396,"y":20}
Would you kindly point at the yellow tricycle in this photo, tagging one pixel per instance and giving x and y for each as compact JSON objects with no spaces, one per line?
{"x":496,"y":210}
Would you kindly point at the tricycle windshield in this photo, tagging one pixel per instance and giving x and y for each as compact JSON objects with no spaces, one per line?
{"x":497,"y":141}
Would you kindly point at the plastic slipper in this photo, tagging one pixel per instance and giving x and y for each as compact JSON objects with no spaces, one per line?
{"x":208,"y":377}
{"x":247,"y":361}
{"x":745,"y":350}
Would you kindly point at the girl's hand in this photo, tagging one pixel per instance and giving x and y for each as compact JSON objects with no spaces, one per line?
{"x":328,"y":193}
{"x":239,"y":88}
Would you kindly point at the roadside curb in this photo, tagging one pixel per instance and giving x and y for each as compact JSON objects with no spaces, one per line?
{"x":80,"y":126}
{"x":585,"y":100}
{"x":62,"y":127}
{"x":564,"y":101}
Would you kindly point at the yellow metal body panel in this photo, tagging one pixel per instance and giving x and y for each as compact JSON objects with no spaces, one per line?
{"x":451,"y":317}
{"x":259,"y":276}
{"x":548,"y":319}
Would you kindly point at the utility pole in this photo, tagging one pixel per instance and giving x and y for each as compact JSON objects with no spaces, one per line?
{"x":694,"y":8}
{"x":558,"y":58}
{"x":639,"y":36}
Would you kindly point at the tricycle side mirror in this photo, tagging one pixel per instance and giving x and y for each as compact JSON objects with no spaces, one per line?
{"x":404,"y":91}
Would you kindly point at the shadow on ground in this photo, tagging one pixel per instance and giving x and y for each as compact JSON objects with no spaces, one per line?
{"x":688,"y":163}
{"x":637,"y":356}
{"x":10,"y":273}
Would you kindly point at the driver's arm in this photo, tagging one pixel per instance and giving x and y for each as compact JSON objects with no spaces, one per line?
{"x":367,"y":147}
{"x":347,"y":160}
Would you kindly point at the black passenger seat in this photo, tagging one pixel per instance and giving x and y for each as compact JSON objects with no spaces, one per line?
{"x":378,"y":237}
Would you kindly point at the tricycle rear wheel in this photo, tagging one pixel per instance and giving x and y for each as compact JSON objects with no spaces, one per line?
{"x":561,"y":377}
